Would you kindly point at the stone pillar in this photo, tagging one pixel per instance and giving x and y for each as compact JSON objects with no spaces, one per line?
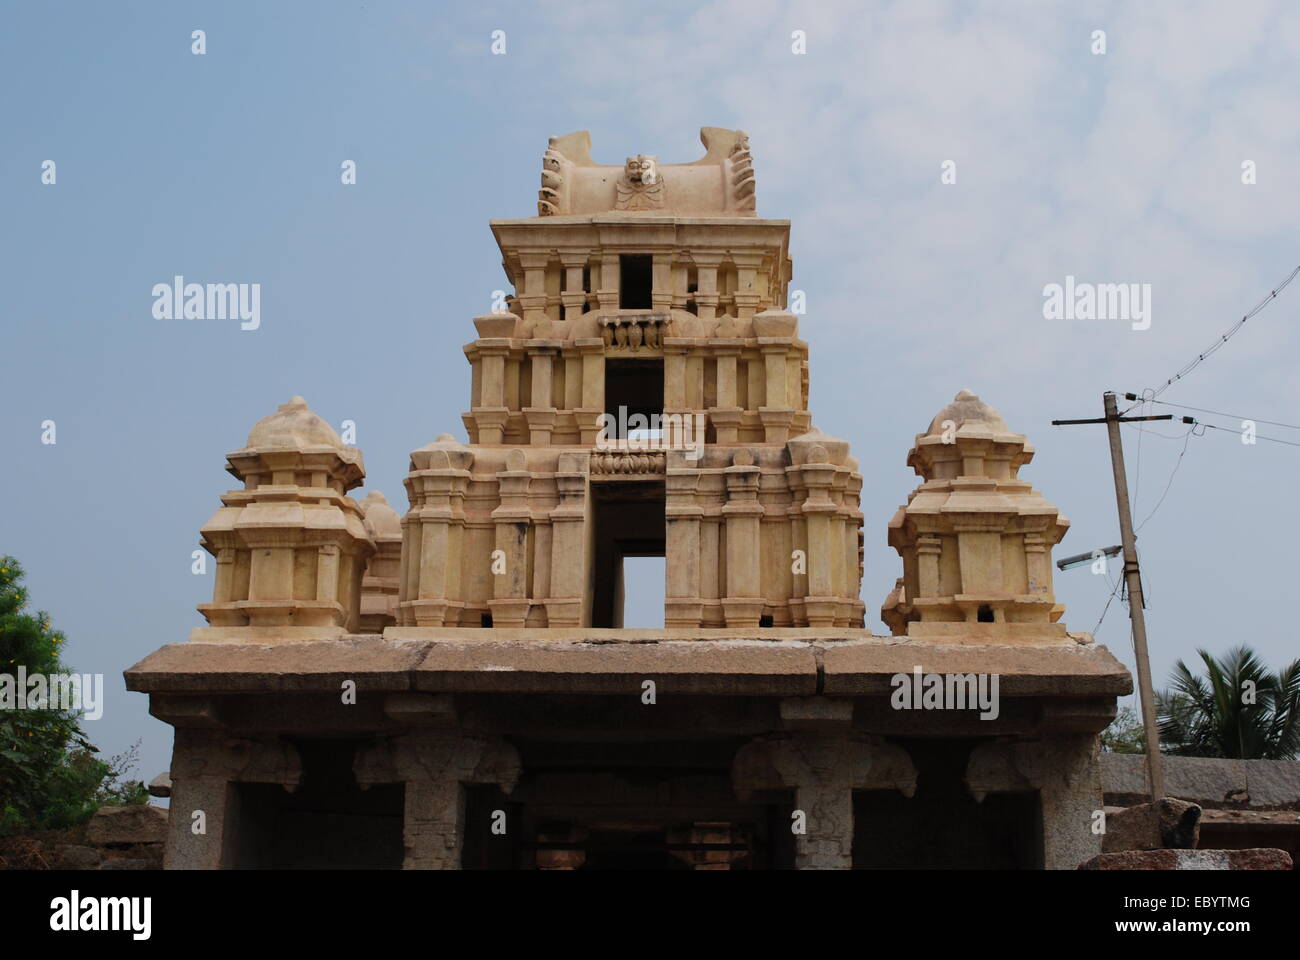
{"x":541,"y":413}
{"x":726,"y":414}
{"x":564,"y":604}
{"x":682,"y":606}
{"x":433,"y":539}
{"x":778,"y":411}
{"x":661,"y":282}
{"x":1038,"y":565}
{"x":823,"y":763}
{"x":435,"y":765}
{"x":490,"y":418}
{"x":592,"y":350}
{"x":819,"y":518}
{"x":533,"y":298}
{"x":327,"y":572}
{"x":747,"y":296}
{"x":675,"y":400}
{"x":574,"y":297}
{"x":206,"y":764}
{"x":512,"y":518}
{"x":706,"y":294}
{"x":607,"y":288}
{"x":743,"y":603}
{"x":1066,"y":772}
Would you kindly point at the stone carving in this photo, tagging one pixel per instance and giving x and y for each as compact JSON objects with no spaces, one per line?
{"x":627,"y":464}
{"x":548,"y":198}
{"x":720,"y":183}
{"x":640,"y":187}
{"x":742,"y":173}
{"x":632,"y":333}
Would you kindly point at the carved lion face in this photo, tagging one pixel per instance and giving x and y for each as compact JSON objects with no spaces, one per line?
{"x":640,"y":169}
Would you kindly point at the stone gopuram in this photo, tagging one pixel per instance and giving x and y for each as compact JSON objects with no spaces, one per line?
{"x":454,"y":688}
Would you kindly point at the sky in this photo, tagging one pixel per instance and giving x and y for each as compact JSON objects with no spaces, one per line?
{"x":1117,"y":167}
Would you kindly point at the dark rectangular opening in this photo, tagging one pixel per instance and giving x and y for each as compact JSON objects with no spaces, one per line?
{"x":628,"y":522}
{"x":328,"y":823}
{"x":943,"y":827}
{"x":635,"y":281}
{"x":633,"y":388}
{"x":601,"y":806}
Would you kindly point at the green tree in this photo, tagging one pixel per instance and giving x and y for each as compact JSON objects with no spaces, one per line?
{"x":49,"y":774}
{"x":1237,"y":709}
{"x":1125,"y":733}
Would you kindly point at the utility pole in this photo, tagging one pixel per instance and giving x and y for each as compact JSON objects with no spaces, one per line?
{"x":1133,"y":580}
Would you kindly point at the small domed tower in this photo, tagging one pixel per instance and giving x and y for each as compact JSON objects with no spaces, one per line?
{"x":975,"y":539}
{"x":291,"y":546}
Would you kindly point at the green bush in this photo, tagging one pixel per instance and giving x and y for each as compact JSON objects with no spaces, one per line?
{"x":50,"y":774}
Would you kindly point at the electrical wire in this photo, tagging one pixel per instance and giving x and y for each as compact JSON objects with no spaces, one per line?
{"x":1177,"y":463}
{"x":1223,"y":337}
{"x":1230,"y":416}
{"x":1210,"y":426}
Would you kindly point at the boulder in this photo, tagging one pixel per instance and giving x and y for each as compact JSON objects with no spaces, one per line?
{"x":1166,"y":824}
{"x":138,"y":823}
{"x":81,"y":858}
{"x":1256,"y":858}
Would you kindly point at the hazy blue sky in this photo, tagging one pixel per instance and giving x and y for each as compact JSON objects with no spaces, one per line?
{"x":1123,"y":167}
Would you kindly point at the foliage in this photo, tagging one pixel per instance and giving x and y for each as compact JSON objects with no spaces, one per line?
{"x":1237,"y":709}
{"x":50,"y":776}
{"x":1125,"y":733}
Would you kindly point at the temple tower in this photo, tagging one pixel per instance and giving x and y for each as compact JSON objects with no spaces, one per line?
{"x":644,"y":392}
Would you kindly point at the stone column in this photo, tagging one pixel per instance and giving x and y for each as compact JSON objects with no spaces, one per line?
{"x":726,"y":413}
{"x":819,"y":518}
{"x":224,"y":589}
{"x":661,"y":282}
{"x":490,"y":418}
{"x":682,"y":605}
{"x":541,"y":413}
{"x":607,"y":288}
{"x":512,"y":518}
{"x":564,"y":605}
{"x":433,"y":537}
{"x":743,"y":603}
{"x":1066,"y":772}
{"x":592,"y":350}
{"x":747,"y":296}
{"x":533,"y":298}
{"x":706,"y":294}
{"x":206,"y":764}
{"x":823,"y":763}
{"x":778,"y":411}
{"x":675,"y":377}
{"x":435,"y":765}
{"x":574,"y":297}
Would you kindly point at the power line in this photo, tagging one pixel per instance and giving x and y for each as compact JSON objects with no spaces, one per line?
{"x":1218,"y":413}
{"x":1178,"y":463}
{"x":1210,"y":426}
{"x":1224,"y":337}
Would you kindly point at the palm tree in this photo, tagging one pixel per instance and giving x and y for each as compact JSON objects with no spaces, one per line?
{"x":1237,"y":710}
